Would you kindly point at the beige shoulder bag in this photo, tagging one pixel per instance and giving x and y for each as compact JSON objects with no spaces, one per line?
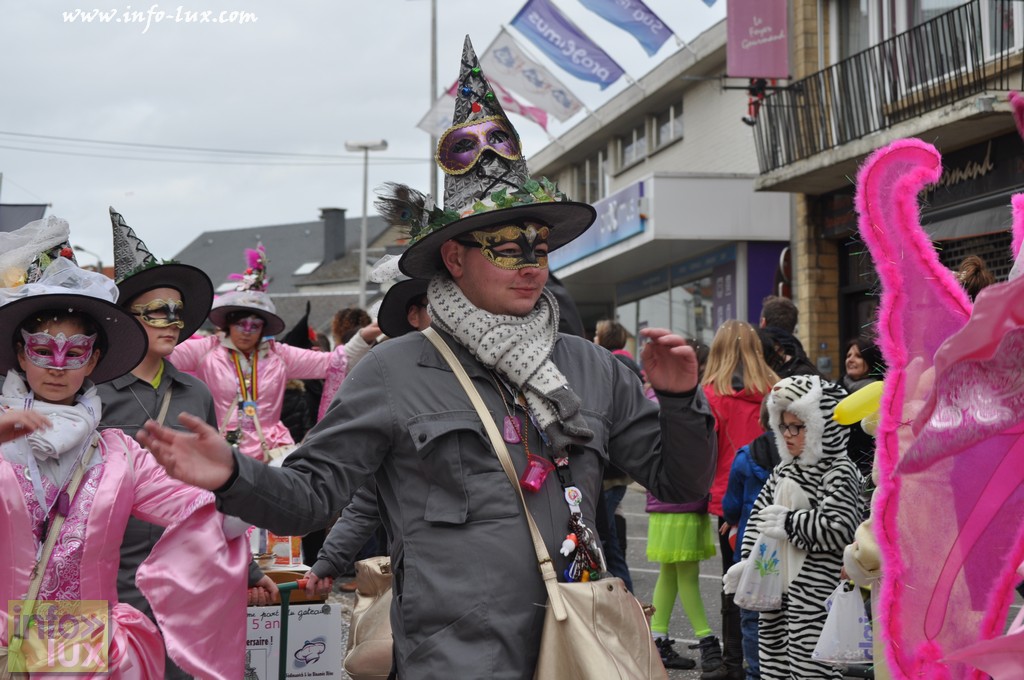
{"x":591,"y":630}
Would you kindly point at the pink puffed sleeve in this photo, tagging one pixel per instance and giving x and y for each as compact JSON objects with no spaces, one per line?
{"x":194,"y":573}
{"x":336,"y":372}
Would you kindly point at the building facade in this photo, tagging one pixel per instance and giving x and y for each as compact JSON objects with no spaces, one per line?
{"x":682,"y":239}
{"x":868,"y":72}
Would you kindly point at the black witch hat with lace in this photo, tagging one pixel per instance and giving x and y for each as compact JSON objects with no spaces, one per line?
{"x":486,"y":182}
{"x":137,"y":271}
{"x":40,"y":274}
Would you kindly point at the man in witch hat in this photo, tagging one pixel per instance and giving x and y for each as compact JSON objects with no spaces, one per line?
{"x":469,"y":600}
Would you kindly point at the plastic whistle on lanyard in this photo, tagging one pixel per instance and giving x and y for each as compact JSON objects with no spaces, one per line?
{"x":537,"y":470}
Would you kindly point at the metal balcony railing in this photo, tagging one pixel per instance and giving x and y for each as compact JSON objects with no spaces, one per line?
{"x":970,"y":49}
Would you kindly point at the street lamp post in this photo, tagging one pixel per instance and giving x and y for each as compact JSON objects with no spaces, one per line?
{"x":366,"y":148}
{"x":99,"y":260}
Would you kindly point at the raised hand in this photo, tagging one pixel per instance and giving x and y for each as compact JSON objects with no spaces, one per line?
{"x":670,"y":363}
{"x":199,"y":457}
{"x":15,"y":424}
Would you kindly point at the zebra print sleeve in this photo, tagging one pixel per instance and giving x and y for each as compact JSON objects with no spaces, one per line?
{"x":829,"y":527}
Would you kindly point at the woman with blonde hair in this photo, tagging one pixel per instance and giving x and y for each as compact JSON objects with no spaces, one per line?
{"x":736,"y":379}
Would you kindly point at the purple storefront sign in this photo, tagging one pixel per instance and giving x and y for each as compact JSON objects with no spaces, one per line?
{"x":758,"y":39}
{"x":618,"y":218}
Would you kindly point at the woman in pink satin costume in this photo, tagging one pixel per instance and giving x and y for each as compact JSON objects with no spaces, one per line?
{"x":247,"y":372}
{"x":59,"y":344}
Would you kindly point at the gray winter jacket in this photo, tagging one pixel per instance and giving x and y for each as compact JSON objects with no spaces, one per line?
{"x":469,"y":601}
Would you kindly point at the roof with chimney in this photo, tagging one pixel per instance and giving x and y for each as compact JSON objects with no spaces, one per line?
{"x":16,"y":215}
{"x":300,"y":255}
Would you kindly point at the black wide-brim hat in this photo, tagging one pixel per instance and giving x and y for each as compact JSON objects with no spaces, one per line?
{"x":194,"y":285}
{"x":566,"y":219}
{"x":251,"y":302}
{"x":126,"y":340}
{"x":393,"y":316}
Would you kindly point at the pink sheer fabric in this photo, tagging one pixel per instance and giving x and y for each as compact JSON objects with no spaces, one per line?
{"x":130,"y":482}
{"x":949,"y":445}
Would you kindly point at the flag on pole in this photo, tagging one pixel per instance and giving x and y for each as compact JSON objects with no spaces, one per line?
{"x":565,"y":44}
{"x":634,"y":17}
{"x":507,"y":63}
{"x":439,"y":117}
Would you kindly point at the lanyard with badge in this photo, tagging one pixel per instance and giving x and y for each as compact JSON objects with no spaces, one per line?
{"x":581,"y":542}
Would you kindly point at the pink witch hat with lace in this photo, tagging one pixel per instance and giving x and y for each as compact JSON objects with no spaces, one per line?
{"x":950,"y":504}
{"x":249,"y":295}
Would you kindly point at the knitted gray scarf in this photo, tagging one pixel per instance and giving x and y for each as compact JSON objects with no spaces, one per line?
{"x":519,"y":349}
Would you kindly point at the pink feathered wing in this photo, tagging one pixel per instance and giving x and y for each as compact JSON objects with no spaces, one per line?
{"x":948,"y":562}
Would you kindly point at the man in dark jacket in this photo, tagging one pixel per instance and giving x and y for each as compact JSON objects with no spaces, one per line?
{"x":469,"y":599}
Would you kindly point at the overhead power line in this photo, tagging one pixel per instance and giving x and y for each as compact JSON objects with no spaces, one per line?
{"x":162,"y":152}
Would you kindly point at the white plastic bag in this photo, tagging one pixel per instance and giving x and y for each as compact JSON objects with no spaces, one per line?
{"x":760,"y":586}
{"x":846,"y":637}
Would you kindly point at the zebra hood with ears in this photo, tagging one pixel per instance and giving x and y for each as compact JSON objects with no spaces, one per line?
{"x":813,"y":401}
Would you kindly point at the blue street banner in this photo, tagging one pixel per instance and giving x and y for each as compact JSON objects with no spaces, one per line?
{"x":565,"y":44}
{"x":634,"y":17}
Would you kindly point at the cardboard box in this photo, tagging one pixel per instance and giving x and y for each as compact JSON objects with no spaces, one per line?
{"x":314,"y":642}
{"x":283,"y":575}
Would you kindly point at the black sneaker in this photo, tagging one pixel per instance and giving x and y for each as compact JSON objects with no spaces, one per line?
{"x":710,"y":653}
{"x":671,"y":657}
{"x":749,"y":120}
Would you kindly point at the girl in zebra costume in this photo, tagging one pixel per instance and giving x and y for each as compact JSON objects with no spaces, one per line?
{"x":815,"y":469}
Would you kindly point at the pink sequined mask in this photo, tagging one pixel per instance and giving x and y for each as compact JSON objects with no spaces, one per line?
{"x":250,"y":324}
{"x":61,"y":352}
{"x":462,"y":145}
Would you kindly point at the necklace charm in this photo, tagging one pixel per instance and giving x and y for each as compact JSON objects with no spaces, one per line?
{"x":63,"y":504}
{"x":537,"y":470}
{"x":510,"y":432}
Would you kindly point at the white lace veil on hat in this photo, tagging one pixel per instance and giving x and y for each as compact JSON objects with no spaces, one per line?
{"x":39,"y":273}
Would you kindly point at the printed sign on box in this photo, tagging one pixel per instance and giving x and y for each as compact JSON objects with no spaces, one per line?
{"x":314,"y":642}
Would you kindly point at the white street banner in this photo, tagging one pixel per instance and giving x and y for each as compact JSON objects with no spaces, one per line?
{"x":506,"y":62}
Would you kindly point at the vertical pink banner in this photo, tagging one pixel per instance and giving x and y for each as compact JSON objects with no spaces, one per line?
{"x":758,"y":39}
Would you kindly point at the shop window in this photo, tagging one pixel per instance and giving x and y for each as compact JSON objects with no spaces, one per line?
{"x":692,"y":310}
{"x":854,"y":27}
{"x":668,"y":125}
{"x":590,"y":179}
{"x":633,"y":146}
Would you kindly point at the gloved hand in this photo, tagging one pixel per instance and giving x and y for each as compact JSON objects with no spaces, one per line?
{"x":732,"y":577}
{"x":772,"y":521}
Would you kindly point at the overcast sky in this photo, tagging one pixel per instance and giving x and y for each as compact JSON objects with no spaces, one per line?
{"x":302,"y":79}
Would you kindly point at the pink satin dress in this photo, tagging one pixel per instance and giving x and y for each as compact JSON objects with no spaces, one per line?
{"x":211,"y":362}
{"x":194,"y":577}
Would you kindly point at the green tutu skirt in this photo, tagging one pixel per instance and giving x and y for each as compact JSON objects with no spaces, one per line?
{"x":679,"y":537}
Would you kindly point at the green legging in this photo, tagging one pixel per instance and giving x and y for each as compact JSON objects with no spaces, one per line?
{"x":680,"y":578}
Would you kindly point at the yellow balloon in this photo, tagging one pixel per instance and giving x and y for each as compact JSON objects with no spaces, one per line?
{"x":859,"y":405}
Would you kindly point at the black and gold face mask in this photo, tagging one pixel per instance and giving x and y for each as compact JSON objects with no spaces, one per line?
{"x":512,"y":247}
{"x":160,"y":313}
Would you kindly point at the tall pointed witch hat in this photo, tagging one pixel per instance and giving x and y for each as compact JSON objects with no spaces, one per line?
{"x":486,"y":182}
{"x":137,"y":271}
{"x":41,"y":275}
